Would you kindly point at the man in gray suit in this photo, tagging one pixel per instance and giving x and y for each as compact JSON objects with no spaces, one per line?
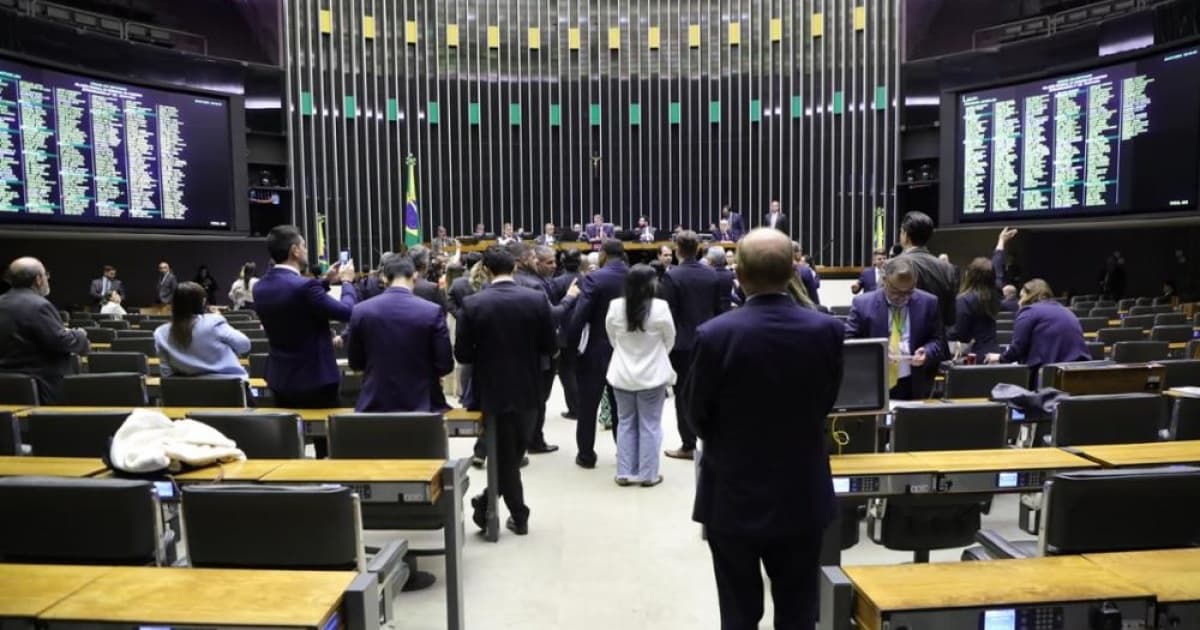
{"x":33,"y":340}
{"x":103,"y":286}
{"x":166,"y":284}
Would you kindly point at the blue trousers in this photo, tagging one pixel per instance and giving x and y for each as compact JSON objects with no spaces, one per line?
{"x":639,"y":432}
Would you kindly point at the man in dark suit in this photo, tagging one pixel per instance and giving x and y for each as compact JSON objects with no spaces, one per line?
{"x":423,"y":287}
{"x":548,"y":236}
{"x":401,"y":345}
{"x":934,"y":275}
{"x":295,"y":312}
{"x":724,"y":233}
{"x":736,"y":227}
{"x":765,"y":502}
{"x":33,"y":340}
{"x":715,"y":257}
{"x":504,"y":333}
{"x":598,"y":230}
{"x":166,"y":284}
{"x":871,"y":277}
{"x":1010,"y":303}
{"x":908,"y":318}
{"x":692,"y":290}
{"x":565,"y":282}
{"x":103,"y":286}
{"x":597,"y":289}
{"x":776,"y":219}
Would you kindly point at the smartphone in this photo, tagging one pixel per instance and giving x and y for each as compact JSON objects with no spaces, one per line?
{"x":344,"y":257}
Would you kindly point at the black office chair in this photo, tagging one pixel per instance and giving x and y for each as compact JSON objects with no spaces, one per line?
{"x":134,"y":319}
{"x":239,"y":316}
{"x":259,"y":346}
{"x":246,"y":324}
{"x":1107,"y":419}
{"x":135,"y":333}
{"x":1172,"y":333}
{"x":1193,"y":350}
{"x":314,"y":528}
{"x":1097,"y":511}
{"x":204,"y":391}
{"x":1126,"y":304}
{"x":1082,"y":310}
{"x":1109,"y":336}
{"x":1141,"y":322}
{"x":1093,"y":324}
{"x":395,"y":436}
{"x":1163,"y":309}
{"x":113,"y":324}
{"x":81,"y":521}
{"x":1083,"y":299}
{"x":1185,"y":419}
{"x":1004,"y":337}
{"x":145,"y":345}
{"x":259,"y":435}
{"x":73,"y":434}
{"x":1142,"y":309}
{"x":1005,"y":325}
{"x":100,"y":335}
{"x":18,"y":389}
{"x":1106,"y":312}
{"x":255,"y":335}
{"x":10,"y":434}
{"x":1106,"y":303}
{"x":108,"y":362}
{"x":1140,"y":351}
{"x":1170,"y":319}
{"x":1096,"y":348}
{"x":108,"y":390}
{"x":258,"y":365}
{"x":920,"y":523}
{"x":1181,"y":372}
{"x":977,"y":381}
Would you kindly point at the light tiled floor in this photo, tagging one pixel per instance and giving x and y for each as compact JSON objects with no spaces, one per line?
{"x":598,"y":555}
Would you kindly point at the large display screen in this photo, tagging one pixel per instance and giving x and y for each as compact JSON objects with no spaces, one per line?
{"x":82,"y":151}
{"x":1116,"y":139}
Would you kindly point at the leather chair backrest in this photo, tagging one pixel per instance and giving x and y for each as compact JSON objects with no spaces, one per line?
{"x":10,"y":434}
{"x":1170,"y":319}
{"x":1108,"y":419}
{"x":977,"y":381}
{"x":388,"y":436}
{"x":113,"y":389}
{"x":145,"y":345}
{"x":108,"y":362}
{"x":203,"y":391}
{"x":1109,"y":336}
{"x":18,"y":389}
{"x":82,"y":434}
{"x":1093,"y":323}
{"x":1140,"y":351}
{"x":100,"y":335}
{"x":949,"y":427}
{"x":259,"y":435}
{"x":1174,"y":333}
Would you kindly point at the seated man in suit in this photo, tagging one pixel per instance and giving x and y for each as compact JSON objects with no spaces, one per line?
{"x":507,"y":235}
{"x":765,"y":502}
{"x":442,"y":243}
{"x":547,"y":237}
{"x":295,"y":312}
{"x":872,"y":276}
{"x":103,"y":286}
{"x":598,"y":230}
{"x":33,"y":340}
{"x":645,"y":232}
{"x":911,"y":322}
{"x":401,"y":344}
{"x":724,"y":233}
{"x":736,"y":227}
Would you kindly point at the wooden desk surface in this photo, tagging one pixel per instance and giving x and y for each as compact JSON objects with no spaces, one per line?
{"x":309,"y":415}
{"x":994,"y":583}
{"x":50,"y":466}
{"x":28,"y":589}
{"x":155,"y":381}
{"x":876,"y":464}
{"x":1000,"y":459}
{"x":462,"y":415}
{"x":185,"y":596}
{"x":1173,"y":574}
{"x":245,"y":470}
{"x":1150,"y":453}
{"x":355,"y":470}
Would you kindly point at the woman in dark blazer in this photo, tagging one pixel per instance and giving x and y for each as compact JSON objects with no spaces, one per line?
{"x":1043,"y":332}
{"x":976,"y":307}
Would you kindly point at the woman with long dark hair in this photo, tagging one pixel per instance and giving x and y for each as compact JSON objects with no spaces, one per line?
{"x":241,"y":293}
{"x":976,"y":307}
{"x":197,"y":342}
{"x":642,"y":334}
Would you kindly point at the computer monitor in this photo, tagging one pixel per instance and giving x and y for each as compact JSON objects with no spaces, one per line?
{"x":864,"y":376}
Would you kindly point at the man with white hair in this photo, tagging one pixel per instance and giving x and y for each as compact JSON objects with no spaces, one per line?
{"x":33,"y":340}
{"x":715,"y":258}
{"x":1009,"y":303}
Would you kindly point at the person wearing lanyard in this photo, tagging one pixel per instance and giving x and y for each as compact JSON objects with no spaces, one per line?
{"x":909,"y":319}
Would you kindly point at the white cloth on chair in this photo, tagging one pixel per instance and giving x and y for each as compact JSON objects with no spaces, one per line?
{"x":149,"y":441}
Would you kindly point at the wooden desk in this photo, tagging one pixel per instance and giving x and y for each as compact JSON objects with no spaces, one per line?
{"x":215,"y":597}
{"x":879,"y":474}
{"x":885,"y":590}
{"x":246,"y":470}
{"x":1148,"y":454}
{"x":998,"y":470}
{"x":378,"y":480}
{"x":28,"y":589}
{"x":156,"y":381}
{"x":1173,"y":574}
{"x":463,"y":423}
{"x":309,"y":415}
{"x":50,"y":467}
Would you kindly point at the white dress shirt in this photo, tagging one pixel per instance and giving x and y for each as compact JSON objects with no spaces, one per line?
{"x":640,"y":359}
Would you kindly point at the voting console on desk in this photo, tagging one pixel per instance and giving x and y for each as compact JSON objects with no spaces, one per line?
{"x":879,"y":475}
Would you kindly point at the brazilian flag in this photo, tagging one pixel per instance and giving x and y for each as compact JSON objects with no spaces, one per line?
{"x":412,"y":219}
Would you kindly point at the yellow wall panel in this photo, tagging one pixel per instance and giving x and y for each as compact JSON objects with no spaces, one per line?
{"x":535,"y":38}
{"x":694,"y":35}
{"x":493,"y":36}
{"x":614,"y":38}
{"x":325,"y":19}
{"x":776,"y":29}
{"x":452,"y":35}
{"x":369,"y":26}
{"x":573,"y":38}
{"x":735,"y":33}
{"x":817,"y":25}
{"x":860,"y":18}
{"x":411,"y":32}
{"x":655,"y":37}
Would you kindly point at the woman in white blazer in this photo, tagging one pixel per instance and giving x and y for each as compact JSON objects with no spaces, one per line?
{"x":642,"y":334}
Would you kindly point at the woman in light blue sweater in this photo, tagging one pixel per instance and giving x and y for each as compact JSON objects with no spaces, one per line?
{"x":196,"y":342}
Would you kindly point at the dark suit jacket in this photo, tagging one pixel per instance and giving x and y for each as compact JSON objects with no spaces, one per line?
{"x":725,"y":237}
{"x":401,"y":344}
{"x":736,"y":225}
{"x":97,"y":290}
{"x":866,"y":280}
{"x":724,"y":289}
{"x":693,"y":291}
{"x":765,"y":469}
{"x":1046,"y":332}
{"x":781,"y":223}
{"x":295,"y":313}
{"x":504,"y":332}
{"x":166,"y":288}
{"x":595,"y":232}
{"x":938,"y":277}
{"x":33,"y":341}
{"x":371,"y":286}
{"x":459,"y":290}
{"x":811,"y":284}
{"x":1010,"y":306}
{"x":591,"y":308}
{"x":430,"y":291}
{"x":561,"y":283}
{"x":973,"y":324}
{"x":870,"y":317}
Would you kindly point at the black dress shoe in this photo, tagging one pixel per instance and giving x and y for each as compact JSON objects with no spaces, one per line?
{"x":520,"y":529}
{"x":478,"y":462}
{"x":418,"y":581}
{"x":524,"y":461}
{"x":479,"y":513}
{"x":543,"y":448}
{"x":570,"y":415}
{"x":583,"y":462}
